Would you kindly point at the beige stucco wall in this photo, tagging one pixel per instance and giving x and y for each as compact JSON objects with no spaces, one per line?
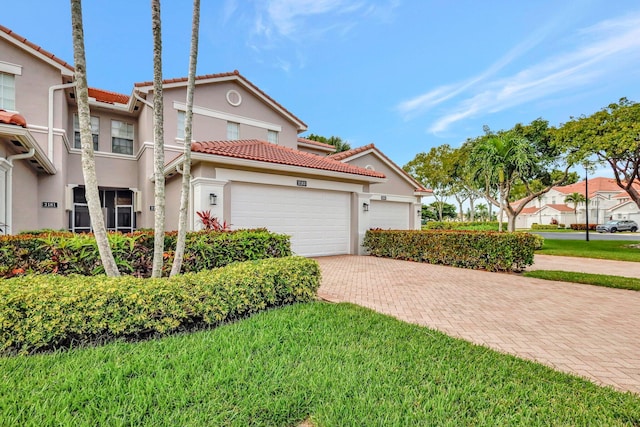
{"x":25,"y":206}
{"x":396,"y":184}
{"x":213,"y":97}
{"x":32,"y":87}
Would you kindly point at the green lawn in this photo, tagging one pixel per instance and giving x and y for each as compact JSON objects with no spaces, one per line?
{"x":586,"y":278}
{"x":602,"y":249}
{"x":339,"y":365}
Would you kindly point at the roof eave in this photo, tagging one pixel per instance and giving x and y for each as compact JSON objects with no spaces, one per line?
{"x":24,"y":137}
{"x":172,"y":166}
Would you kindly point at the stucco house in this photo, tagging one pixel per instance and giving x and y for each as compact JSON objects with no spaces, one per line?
{"x":606,"y":201}
{"x":250,"y":166}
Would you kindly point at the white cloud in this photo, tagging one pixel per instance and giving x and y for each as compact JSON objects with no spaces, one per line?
{"x":602,"y":50}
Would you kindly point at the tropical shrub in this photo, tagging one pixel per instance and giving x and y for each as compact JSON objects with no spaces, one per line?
{"x":67,"y":253}
{"x":464,"y":225}
{"x":468,"y":249}
{"x":50,"y":311}
{"x":546,"y":226}
{"x":582,"y":226}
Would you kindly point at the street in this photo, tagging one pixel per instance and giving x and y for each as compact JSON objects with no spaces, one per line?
{"x":593,"y":235}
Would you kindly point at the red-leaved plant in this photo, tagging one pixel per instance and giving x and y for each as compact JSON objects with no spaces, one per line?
{"x":211,"y":223}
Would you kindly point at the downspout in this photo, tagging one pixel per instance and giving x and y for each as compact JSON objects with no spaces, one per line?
{"x":52,"y":89}
{"x":9,"y":186}
{"x":141,"y":99}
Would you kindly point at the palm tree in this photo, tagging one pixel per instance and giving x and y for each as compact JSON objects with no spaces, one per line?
{"x":186,"y":164}
{"x":88,"y":159}
{"x":499,"y":159}
{"x":575,"y":198}
{"x":158,"y":142}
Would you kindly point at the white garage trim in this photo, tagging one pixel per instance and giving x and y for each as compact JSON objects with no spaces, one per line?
{"x":318,"y":221}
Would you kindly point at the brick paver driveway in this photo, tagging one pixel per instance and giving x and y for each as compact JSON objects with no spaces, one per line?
{"x":586,"y":330}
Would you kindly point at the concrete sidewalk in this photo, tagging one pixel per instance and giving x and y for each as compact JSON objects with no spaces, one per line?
{"x":587,"y":330}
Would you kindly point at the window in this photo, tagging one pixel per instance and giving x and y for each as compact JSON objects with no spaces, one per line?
{"x":117,"y":207}
{"x":272,"y":136}
{"x":95,"y":131}
{"x":180,"y":132}
{"x":7,"y":91}
{"x":233,"y":131}
{"x":121,"y":137}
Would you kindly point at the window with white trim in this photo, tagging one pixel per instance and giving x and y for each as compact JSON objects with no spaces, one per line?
{"x":272,"y":136}
{"x":180,"y":132}
{"x":121,"y":137}
{"x":7,"y":91}
{"x":233,"y":131}
{"x":95,"y":131}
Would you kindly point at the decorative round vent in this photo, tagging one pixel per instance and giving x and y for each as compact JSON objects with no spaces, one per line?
{"x":371,"y":168}
{"x":234,"y":98}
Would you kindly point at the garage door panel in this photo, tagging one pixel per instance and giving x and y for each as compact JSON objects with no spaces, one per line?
{"x":389,"y":215}
{"x":318,"y":221}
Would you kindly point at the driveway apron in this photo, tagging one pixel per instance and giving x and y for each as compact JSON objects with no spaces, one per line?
{"x":586,"y":330}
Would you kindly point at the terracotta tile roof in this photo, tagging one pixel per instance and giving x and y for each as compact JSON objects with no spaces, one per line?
{"x":595,"y":185}
{"x":352,"y":152}
{"x":263,"y":151}
{"x":36,"y":47}
{"x":560,"y":208}
{"x":107,"y":96}
{"x":346,"y":154}
{"x":319,"y":144}
{"x":12,"y":119}
{"x":235,"y":73}
{"x":530,"y":210}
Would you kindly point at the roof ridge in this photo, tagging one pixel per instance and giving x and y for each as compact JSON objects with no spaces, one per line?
{"x":36,"y":47}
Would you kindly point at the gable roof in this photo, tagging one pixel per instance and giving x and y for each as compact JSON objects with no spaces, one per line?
{"x":530,"y":210}
{"x":597,"y":184}
{"x":234,"y":75}
{"x":262,"y":151}
{"x":36,"y":50}
{"x":559,"y":207}
{"x":354,"y":153}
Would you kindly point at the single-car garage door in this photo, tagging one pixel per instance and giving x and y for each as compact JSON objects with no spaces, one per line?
{"x":389,"y":215}
{"x":318,"y":221}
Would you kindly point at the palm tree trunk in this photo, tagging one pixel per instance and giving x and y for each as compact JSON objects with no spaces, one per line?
{"x":158,"y":142}
{"x":86,"y":140}
{"x":186,"y":165}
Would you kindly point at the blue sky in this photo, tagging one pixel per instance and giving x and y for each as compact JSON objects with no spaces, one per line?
{"x":406,"y":75}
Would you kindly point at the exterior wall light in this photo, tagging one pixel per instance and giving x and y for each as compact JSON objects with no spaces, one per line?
{"x":213,"y":199}
{"x":365,"y":207}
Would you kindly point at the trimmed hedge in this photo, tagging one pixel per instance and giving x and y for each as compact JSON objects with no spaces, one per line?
{"x":467,"y":249}
{"x":546,"y":226}
{"x":67,"y":253}
{"x":464,"y":225}
{"x":51,"y":311}
{"x":582,"y":226}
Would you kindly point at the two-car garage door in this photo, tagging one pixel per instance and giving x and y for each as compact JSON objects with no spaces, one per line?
{"x":318,"y":221}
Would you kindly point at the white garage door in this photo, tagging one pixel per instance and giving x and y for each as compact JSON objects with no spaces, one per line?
{"x":389,"y":215}
{"x":318,"y":221}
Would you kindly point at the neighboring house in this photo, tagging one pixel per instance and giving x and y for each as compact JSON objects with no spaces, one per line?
{"x":250,"y":168}
{"x":606,"y":201}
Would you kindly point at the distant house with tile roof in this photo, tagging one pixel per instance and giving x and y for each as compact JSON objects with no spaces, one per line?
{"x":606,"y":200}
{"x":251,"y":167}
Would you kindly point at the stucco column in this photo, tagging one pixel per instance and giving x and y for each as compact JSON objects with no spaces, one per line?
{"x":415,"y":216}
{"x":204,"y":193}
{"x":359,"y":220}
